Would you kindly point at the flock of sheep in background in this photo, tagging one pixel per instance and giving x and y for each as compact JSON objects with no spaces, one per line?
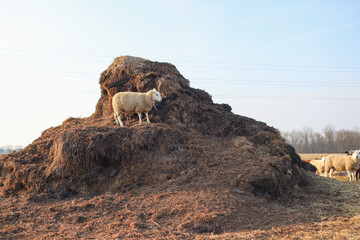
{"x":333,"y":162}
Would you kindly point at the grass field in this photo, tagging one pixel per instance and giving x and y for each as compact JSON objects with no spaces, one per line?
{"x":310,"y":156}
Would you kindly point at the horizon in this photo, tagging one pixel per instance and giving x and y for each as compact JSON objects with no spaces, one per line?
{"x":288,"y":64}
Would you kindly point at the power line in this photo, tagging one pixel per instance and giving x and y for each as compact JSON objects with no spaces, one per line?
{"x":55,"y":58}
{"x":203,"y":80}
{"x":212,"y":81}
{"x":266,"y":65}
{"x":227,"y":96}
{"x":42,"y":52}
{"x":46,"y":71}
{"x":270,"y":67}
{"x":287,"y":83}
{"x":291,"y":98}
{"x":55,"y":52}
{"x":51,"y":73}
{"x":58,"y":90}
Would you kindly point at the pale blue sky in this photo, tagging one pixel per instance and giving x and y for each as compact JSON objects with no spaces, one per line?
{"x":287,"y":63}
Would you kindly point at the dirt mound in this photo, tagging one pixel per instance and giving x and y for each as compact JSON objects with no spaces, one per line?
{"x":191,"y":143}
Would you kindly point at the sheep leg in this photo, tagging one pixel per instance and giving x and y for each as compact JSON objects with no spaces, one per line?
{"x":357,"y":174}
{"x":147,"y":117}
{"x":331,"y":173}
{"x":351,"y":176}
{"x":121,"y":124}
{"x":119,"y":120}
{"x":139,"y":118}
{"x":116,"y":119}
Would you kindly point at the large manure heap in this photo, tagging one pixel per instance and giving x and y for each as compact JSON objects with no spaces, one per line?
{"x":192,"y":144}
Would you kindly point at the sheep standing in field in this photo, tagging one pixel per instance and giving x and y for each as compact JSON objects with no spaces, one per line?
{"x":320,"y":165}
{"x":342,"y":163}
{"x":134,"y":102}
{"x":358,"y":170}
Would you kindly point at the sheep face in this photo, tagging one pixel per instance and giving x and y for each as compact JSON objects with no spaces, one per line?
{"x":156,"y":95}
{"x":356,"y":154}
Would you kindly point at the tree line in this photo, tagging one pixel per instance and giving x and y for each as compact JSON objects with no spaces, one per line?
{"x":9,"y":149}
{"x":329,"y":140}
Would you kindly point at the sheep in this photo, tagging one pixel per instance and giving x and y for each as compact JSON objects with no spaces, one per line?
{"x":357,"y":175}
{"x":134,"y":102}
{"x":342,"y":163}
{"x":348,"y":153}
{"x":320,"y":165}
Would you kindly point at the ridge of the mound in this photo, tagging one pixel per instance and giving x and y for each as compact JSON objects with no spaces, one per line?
{"x":191,"y":143}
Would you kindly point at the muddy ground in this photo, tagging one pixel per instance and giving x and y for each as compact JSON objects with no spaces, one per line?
{"x":325,"y":209}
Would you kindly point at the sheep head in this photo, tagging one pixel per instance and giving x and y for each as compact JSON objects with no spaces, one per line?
{"x":155,"y":95}
{"x":356,"y":154}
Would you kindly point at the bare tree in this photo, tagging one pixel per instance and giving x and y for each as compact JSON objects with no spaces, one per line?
{"x":328,"y":141}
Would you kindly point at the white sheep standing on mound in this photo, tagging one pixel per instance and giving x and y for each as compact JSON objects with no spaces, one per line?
{"x":348,"y":163}
{"x":134,"y":102}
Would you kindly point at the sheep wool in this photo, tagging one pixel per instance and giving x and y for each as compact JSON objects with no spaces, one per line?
{"x":134,"y":102}
{"x":342,"y":163}
{"x":320,"y":166}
